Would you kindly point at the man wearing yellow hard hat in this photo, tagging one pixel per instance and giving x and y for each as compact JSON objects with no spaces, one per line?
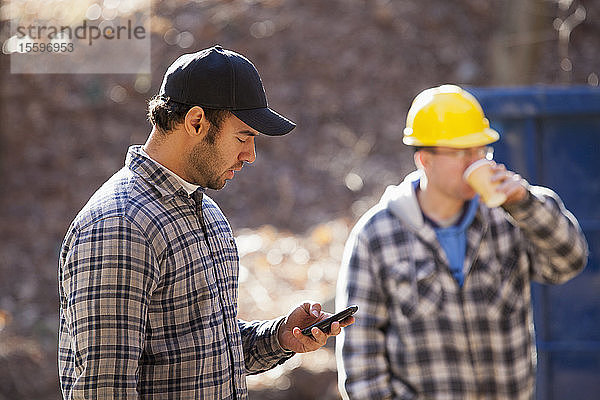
{"x":442,"y":275}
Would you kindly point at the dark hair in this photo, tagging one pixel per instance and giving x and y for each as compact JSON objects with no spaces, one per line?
{"x":165,"y":114}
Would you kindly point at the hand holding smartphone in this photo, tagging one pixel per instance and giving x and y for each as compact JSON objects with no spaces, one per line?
{"x":325,"y":325}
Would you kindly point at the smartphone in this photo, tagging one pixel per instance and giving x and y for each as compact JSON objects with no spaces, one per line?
{"x":325,"y":325}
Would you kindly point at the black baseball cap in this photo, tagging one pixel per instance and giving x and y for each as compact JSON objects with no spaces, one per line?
{"x":222,"y":79}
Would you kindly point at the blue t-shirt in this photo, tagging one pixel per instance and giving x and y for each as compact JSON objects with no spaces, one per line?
{"x":453,"y":239}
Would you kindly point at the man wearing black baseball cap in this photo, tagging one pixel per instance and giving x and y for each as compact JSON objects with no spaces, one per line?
{"x":148,"y":270}
{"x":221,"y":79}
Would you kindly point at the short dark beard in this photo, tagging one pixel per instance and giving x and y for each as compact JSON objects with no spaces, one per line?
{"x":202,"y":163}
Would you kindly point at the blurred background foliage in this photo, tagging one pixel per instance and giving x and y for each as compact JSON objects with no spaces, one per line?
{"x":344,"y":70}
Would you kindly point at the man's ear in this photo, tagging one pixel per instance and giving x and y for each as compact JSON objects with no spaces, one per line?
{"x":418,"y":158}
{"x":195,"y":122}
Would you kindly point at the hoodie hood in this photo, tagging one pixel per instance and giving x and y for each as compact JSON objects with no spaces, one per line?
{"x":401,"y":200}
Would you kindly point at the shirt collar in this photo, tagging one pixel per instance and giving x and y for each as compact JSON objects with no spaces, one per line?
{"x":187,"y":186}
{"x":166,"y":181}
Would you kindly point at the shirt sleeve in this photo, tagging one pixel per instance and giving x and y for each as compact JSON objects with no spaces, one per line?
{"x":363,"y":368}
{"x":108,"y":274}
{"x":558,"y":249}
{"x":262,"y":350}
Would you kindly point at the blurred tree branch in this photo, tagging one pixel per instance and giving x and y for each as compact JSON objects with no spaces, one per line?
{"x":515,"y":46}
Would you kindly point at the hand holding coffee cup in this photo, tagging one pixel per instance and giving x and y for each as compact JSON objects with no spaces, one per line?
{"x":479,"y":176}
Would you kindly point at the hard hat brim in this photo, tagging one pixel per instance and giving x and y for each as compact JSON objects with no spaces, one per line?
{"x":487,"y":136}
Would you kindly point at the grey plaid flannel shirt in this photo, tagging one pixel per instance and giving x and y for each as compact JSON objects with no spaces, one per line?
{"x":419,"y":335}
{"x":148,"y":303}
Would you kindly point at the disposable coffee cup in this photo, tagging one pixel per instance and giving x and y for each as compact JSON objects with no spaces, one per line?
{"x":479,"y":176}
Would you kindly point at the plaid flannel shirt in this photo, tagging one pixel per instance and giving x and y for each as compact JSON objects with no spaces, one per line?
{"x":420,"y":335}
{"x":148,"y":301}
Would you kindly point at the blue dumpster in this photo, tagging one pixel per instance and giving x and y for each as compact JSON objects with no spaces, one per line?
{"x":551,"y":136}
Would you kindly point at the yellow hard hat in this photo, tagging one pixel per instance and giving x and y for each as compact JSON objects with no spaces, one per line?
{"x":447,"y":116}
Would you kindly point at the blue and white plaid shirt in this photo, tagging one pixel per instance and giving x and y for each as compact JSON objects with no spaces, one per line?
{"x":420,"y":335}
{"x":148,"y":301}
